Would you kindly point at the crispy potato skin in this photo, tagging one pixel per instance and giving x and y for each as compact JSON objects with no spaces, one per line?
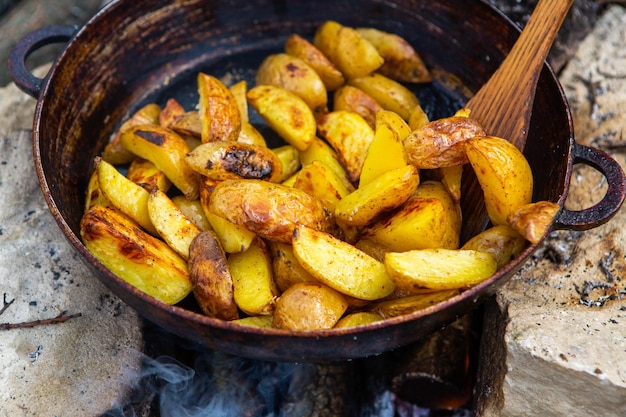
{"x":218,"y":110}
{"x":270,"y":210}
{"x":296,"y":45}
{"x":211,"y":278}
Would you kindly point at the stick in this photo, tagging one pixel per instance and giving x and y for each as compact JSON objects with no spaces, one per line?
{"x":5,"y":303}
{"x":61,"y":318}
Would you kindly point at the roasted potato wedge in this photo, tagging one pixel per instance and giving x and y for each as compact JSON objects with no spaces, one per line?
{"x":361,"y":318}
{"x":453,"y":216}
{"x":309,"y":306}
{"x":287,"y":269}
{"x":440,"y":142}
{"x":233,"y":237}
{"x":384,"y":193}
{"x":233,"y":160}
{"x":239,"y":91}
{"x":251,"y":135}
{"x":295,"y":75}
{"x":167,"y":151}
{"x":143,"y":261}
{"x":193,"y":210}
{"x":321,"y":151}
{"x":340,"y":265}
{"x":114,"y":152}
{"x":350,"y":136}
{"x":533,"y":220}
{"x":144,"y":173}
{"x":503,"y":174}
{"x":439,"y":269}
{"x":321,"y":182}
{"x":504,"y":242}
{"x":353,"y":99}
{"x":289,"y":159}
{"x":211,"y":278}
{"x":189,"y":126}
{"x":126,"y":196}
{"x":386,"y":152}
{"x":286,"y":113}
{"x":450,"y":177}
{"x":390,"y":94}
{"x":270,"y":210}
{"x":297,"y":46}
{"x":347,"y":49}
{"x":171,"y":223}
{"x":402,"y":62}
{"x":418,"y":118}
{"x":218,"y":110}
{"x":94,"y":195}
{"x":172,"y":111}
{"x":264,"y":322}
{"x":253,"y":279}
{"x":410,"y":304}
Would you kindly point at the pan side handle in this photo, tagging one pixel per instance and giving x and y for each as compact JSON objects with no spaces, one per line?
{"x":23,"y":78}
{"x":606,"y":208}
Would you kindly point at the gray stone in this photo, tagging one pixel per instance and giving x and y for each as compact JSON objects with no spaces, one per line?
{"x":83,"y":366}
{"x":564,"y":351}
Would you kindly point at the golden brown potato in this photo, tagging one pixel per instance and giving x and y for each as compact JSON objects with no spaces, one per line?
{"x":289,"y":159}
{"x":218,"y":110}
{"x":502,"y":241}
{"x":251,"y":135}
{"x":407,"y":305}
{"x":295,"y":75}
{"x":286,"y":113}
{"x":211,"y":278}
{"x":145,"y":174}
{"x":239,"y":91}
{"x":309,"y":306}
{"x":287,"y":269}
{"x":440,"y":142}
{"x":114,"y":152}
{"x":372,"y":248}
{"x":439,"y":269}
{"x":418,"y":118}
{"x":353,"y":99}
{"x":305,"y":50}
{"x":171,"y":223}
{"x":143,"y":261}
{"x":453,"y":216}
{"x":94,"y":195}
{"x":347,"y":49}
{"x":192,"y":209}
{"x":189,"y":126}
{"x":233,"y":237}
{"x":126,"y":196}
{"x":361,"y":318}
{"x":172,"y":111}
{"x":390,"y":94}
{"x":402,"y":62}
{"x":340,"y":265}
{"x":350,"y":135}
{"x":321,"y":151}
{"x":253,"y":279}
{"x":232,"y":160}
{"x":264,"y":322}
{"x":450,"y":177}
{"x":270,"y":210}
{"x":503,"y":174}
{"x":321,"y":182}
{"x":533,"y":220}
{"x":384,"y":193}
{"x":386,"y":152}
{"x":167,"y":151}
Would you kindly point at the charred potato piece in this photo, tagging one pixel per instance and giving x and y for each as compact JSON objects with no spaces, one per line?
{"x":402,"y":62}
{"x":143,"y":261}
{"x":504,"y":242}
{"x":439,"y":269}
{"x":347,"y":49}
{"x":253,"y":279}
{"x":299,"y":47}
{"x":440,"y":142}
{"x":232,"y":160}
{"x":350,"y":136}
{"x":340,"y":265}
{"x":533,"y":220}
{"x":218,"y":110}
{"x":390,"y":94}
{"x":295,"y":75}
{"x":167,"y":151}
{"x":353,"y":99}
{"x":503,"y":174}
{"x":286,"y":113}
{"x":211,"y":278}
{"x":309,"y":306}
{"x":270,"y":210}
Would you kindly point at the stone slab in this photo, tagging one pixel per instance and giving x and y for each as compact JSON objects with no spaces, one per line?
{"x":81,"y":367}
{"x":564,"y":351}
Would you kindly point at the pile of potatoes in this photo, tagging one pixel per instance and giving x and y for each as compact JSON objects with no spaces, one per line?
{"x":354,"y":220}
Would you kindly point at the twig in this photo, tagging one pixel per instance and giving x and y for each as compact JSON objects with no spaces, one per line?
{"x":5,"y":303}
{"x":61,"y":318}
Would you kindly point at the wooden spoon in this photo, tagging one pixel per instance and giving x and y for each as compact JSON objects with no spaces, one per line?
{"x":504,"y":104}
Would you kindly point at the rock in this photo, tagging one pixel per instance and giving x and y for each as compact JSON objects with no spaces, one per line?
{"x":562,"y":318}
{"x":83,"y":366}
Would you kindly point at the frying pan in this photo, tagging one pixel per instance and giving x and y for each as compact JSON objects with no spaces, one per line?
{"x":133,"y":52}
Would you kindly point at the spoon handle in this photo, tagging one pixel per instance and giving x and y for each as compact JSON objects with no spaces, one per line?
{"x":504,"y":104}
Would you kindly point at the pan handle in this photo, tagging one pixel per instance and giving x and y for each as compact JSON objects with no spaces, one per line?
{"x":606,"y":208}
{"x":23,"y":78}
